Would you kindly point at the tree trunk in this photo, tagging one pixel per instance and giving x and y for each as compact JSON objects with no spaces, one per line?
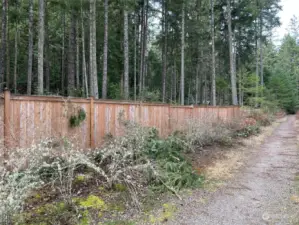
{"x":47,"y":67}
{"x":3,"y":43}
{"x":145,"y":65}
{"x":141,"y":49}
{"x":47,"y":53}
{"x":105,"y":58}
{"x":126,"y":55}
{"x":71,"y":54}
{"x":165,"y":28}
{"x":183,"y":57}
{"x":205,"y":86}
{"x":93,"y":55}
{"x":41,"y":42}
{"x":77,"y":54}
{"x":144,"y":68}
{"x":197,"y":90}
{"x":240,"y":86}
{"x":63,"y":56}
{"x":213,"y":55}
{"x":257,"y":64}
{"x":84,"y":72}
{"x":175,"y":82}
{"x":231,"y":56}
{"x":16,"y":60}
{"x":261,"y":51}
{"x":189,"y":92}
{"x":8,"y":47}
{"x":135,"y":57}
{"x":30,"y":48}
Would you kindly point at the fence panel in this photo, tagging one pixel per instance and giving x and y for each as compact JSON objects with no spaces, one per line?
{"x":107,"y":119}
{"x":155,"y":116}
{"x":179,"y":117}
{"x":35,"y":118}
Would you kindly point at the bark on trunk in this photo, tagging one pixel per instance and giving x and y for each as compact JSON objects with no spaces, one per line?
{"x":41,"y":41}
{"x":71,"y":55}
{"x":84,"y":71}
{"x":93,"y":55}
{"x":213,"y":55}
{"x":47,"y":53}
{"x":16,"y":54}
{"x":8,"y":47}
{"x":63,"y":55}
{"x":165,"y":28}
{"x":183,"y":57}
{"x":16,"y":60}
{"x":105,"y":58}
{"x":261,"y":51}
{"x":197,"y":89}
{"x":135,"y":57}
{"x":257,"y":64}
{"x":231,"y":56}
{"x":3,"y":43}
{"x":141,"y":49}
{"x":126,"y":56}
{"x":205,"y":88}
{"x":240,"y":86}
{"x":30,"y":48}
{"x":175,"y":83}
{"x":77,"y":54}
{"x":144,"y":69}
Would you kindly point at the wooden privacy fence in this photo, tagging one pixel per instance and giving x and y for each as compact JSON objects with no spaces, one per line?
{"x":25,"y":120}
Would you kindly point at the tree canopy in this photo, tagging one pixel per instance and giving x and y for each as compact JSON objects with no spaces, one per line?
{"x":176,"y":51}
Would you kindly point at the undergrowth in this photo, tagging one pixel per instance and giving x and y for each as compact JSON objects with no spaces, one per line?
{"x":133,"y":164}
{"x":173,"y":169}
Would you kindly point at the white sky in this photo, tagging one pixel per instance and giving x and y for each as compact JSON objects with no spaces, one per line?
{"x":289,"y":8}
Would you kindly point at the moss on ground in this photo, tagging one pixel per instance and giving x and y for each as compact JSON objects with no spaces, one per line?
{"x":167,"y":213}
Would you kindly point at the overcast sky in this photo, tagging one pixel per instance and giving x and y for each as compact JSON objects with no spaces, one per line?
{"x":289,"y":8}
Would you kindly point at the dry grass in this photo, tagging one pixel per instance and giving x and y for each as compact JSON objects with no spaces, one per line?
{"x":223,"y":169}
{"x":233,"y":160}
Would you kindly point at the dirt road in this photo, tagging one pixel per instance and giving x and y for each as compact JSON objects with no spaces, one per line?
{"x":259,"y":194}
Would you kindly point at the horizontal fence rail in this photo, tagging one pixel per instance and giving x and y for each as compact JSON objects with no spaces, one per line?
{"x":26,"y":120}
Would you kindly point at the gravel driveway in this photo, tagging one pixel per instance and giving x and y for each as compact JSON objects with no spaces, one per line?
{"x":259,"y":194}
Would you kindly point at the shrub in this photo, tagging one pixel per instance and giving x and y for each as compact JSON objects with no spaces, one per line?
{"x":122,"y":160}
{"x":248,"y":131}
{"x":141,"y":158}
{"x":200,"y":133}
{"x":25,"y":170}
{"x":172,"y":170}
{"x":262,"y":118}
{"x":129,"y":163}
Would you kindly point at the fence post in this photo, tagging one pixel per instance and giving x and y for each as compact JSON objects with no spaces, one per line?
{"x":92,"y":141}
{"x":6,"y":118}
